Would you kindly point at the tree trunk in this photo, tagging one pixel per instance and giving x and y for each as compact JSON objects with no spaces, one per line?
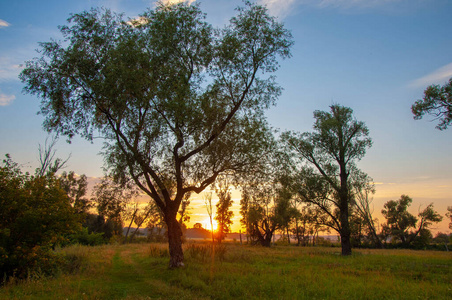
{"x":345,"y":226}
{"x":346,"y":244}
{"x":343,"y":211}
{"x":288,"y":235}
{"x":130,"y":225}
{"x":175,"y":242}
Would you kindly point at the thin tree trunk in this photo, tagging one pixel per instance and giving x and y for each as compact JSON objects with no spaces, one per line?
{"x":130,"y":225}
{"x":288,"y":235}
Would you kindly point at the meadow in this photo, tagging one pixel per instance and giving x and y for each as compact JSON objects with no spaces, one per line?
{"x":140,"y":271}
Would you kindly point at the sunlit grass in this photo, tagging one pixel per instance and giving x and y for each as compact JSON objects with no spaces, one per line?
{"x":139,"y":271}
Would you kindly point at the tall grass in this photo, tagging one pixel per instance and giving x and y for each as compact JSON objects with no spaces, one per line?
{"x":140,"y":271}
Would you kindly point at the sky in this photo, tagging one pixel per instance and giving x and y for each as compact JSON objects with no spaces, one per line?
{"x":374,"y":56}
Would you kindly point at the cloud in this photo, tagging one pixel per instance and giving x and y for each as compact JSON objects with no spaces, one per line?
{"x":6,"y":99}
{"x":352,"y":3}
{"x":438,"y":76}
{"x":9,"y":69}
{"x":177,"y":1}
{"x":3,"y":23}
{"x":383,"y":183}
{"x":280,"y":8}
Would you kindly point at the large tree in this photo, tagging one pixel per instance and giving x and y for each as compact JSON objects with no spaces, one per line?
{"x":176,"y":101}
{"x":437,"y":102}
{"x":328,"y":157}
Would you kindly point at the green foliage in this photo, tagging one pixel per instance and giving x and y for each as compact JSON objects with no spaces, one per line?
{"x":400,"y":225}
{"x":35,"y":215}
{"x":177,"y":101}
{"x":324,"y":161}
{"x":83,"y":237}
{"x":98,"y":224}
{"x":437,"y":102}
{"x":449,"y":215}
{"x":223,"y":215}
{"x":76,"y":187}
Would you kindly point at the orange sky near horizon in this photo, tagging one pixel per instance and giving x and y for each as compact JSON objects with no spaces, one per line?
{"x":423,"y":192}
{"x":422,"y":195}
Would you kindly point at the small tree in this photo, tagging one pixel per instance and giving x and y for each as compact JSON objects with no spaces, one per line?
{"x":208,"y":204}
{"x":223,"y":215}
{"x":449,"y":215}
{"x":362,"y":189}
{"x":76,"y":187}
{"x":244,"y":212}
{"x":401,"y":225}
{"x":437,"y":102}
{"x":111,"y":201}
{"x":268,"y":211}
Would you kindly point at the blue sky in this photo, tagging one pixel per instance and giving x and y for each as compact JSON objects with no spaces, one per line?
{"x":376,"y":57}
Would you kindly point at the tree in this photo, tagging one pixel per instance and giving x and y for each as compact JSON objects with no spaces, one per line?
{"x":111,"y":201}
{"x":285,"y":212}
{"x":437,"y":102}
{"x":76,"y":187}
{"x":177,"y":102}
{"x":338,"y":141}
{"x":208,"y":204}
{"x":35,"y":215}
{"x":244,"y":213}
{"x":449,"y":215}
{"x":48,"y":163}
{"x":223,"y":215}
{"x":197,"y":225}
{"x":401,"y":225}
{"x":267,"y":210}
{"x":362,"y":189}
{"x":261,"y":214}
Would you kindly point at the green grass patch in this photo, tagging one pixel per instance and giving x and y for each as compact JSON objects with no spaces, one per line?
{"x":139,"y":271}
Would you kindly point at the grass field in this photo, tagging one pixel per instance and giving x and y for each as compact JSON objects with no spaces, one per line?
{"x":139,"y":271}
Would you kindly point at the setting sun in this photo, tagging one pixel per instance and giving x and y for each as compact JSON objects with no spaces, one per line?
{"x":206,"y":224}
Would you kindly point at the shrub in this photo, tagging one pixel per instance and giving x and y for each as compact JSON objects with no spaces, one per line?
{"x":82,"y":237}
{"x":35,"y":215}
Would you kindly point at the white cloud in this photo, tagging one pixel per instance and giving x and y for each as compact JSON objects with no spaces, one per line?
{"x":177,"y":1}
{"x":352,"y":3}
{"x":3,"y":23}
{"x":6,"y":99}
{"x":9,"y":69}
{"x":438,"y":76}
{"x":280,"y":8}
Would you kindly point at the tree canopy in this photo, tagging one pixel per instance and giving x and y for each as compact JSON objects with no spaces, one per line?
{"x":35,"y":215}
{"x":176,"y":101}
{"x":326,"y":159}
{"x":437,"y":102}
{"x":401,"y":225}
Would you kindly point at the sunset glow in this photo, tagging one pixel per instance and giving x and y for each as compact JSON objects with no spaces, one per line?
{"x":376,"y":57}
{"x":206,"y":224}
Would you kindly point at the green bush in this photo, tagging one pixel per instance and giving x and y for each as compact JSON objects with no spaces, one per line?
{"x":88,"y":239}
{"x":35,"y":215}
